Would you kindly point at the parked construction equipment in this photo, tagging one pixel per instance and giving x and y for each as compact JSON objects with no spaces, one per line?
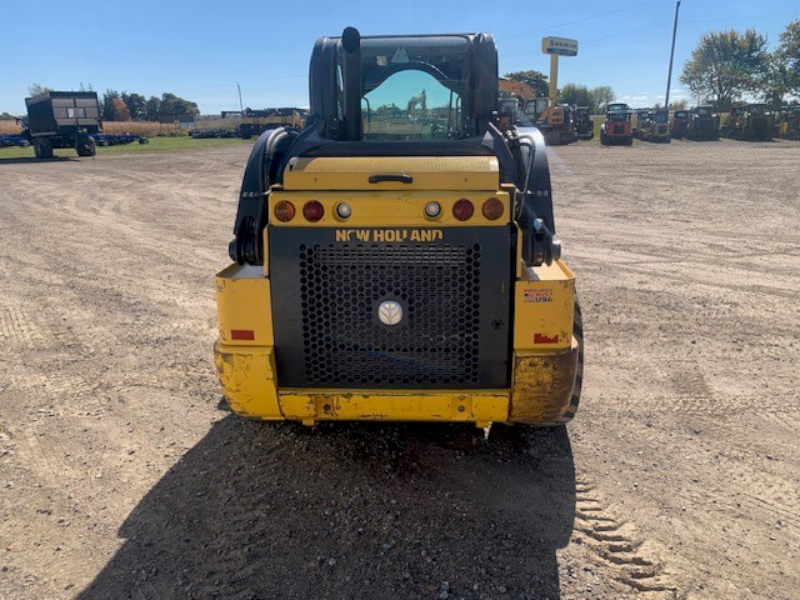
{"x":553,"y":121}
{"x":256,"y":122}
{"x":617,"y":127}
{"x":679,"y":124}
{"x":751,"y":122}
{"x":63,"y":120}
{"x":703,"y":124}
{"x":390,"y":266}
{"x":653,"y":125}
{"x":584,"y":126}
{"x":788,"y":125}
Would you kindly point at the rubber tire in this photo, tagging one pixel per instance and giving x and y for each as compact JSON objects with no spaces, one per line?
{"x":629,"y":141}
{"x":603,"y":139}
{"x":43,"y":148}
{"x":577,"y":331}
{"x":86,"y":146}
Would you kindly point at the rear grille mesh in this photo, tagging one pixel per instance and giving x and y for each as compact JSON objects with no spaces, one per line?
{"x":435,"y":345}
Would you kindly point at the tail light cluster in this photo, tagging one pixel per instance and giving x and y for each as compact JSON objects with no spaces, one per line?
{"x":463,"y":210}
{"x":285,"y":211}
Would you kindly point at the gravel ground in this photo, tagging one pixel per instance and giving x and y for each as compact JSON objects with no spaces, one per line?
{"x":124,"y":476}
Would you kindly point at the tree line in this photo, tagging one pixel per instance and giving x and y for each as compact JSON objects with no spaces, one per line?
{"x":727,"y":66}
{"x":124,"y":106}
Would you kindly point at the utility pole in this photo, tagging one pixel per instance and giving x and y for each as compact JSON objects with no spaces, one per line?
{"x":241,"y":106}
{"x":672,"y":53}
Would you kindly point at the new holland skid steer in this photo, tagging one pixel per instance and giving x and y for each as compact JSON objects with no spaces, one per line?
{"x":394,"y":266}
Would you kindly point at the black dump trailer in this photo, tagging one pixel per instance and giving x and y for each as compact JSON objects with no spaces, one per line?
{"x":63,"y":120}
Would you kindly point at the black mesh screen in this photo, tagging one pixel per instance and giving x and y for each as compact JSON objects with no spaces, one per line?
{"x":454,"y":294}
{"x":435,"y":344}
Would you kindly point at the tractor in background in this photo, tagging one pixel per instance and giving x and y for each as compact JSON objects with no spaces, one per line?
{"x":583,"y":124}
{"x":703,"y":124}
{"x":679,"y":124}
{"x":642,"y":116}
{"x":788,"y":124}
{"x":654,"y":126}
{"x":617,"y":128}
{"x":752,"y":122}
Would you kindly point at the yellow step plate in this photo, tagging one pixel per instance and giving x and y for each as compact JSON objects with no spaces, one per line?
{"x":384,"y":405}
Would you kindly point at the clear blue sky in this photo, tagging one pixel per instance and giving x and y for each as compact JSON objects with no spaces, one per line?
{"x":200,"y":49}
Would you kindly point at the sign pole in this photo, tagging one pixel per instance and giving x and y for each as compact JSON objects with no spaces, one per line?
{"x":553,"y":78}
{"x":672,"y":54}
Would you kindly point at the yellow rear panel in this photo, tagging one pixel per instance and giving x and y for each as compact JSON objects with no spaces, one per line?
{"x":429,"y":173}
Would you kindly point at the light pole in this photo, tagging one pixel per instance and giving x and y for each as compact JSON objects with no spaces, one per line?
{"x":241,"y":107}
{"x":672,"y":53}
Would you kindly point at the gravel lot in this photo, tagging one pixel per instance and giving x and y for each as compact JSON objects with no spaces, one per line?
{"x":123,"y":475}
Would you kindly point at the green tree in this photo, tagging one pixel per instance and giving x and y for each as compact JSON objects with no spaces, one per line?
{"x":574,"y":94}
{"x":108,"y":107}
{"x":535,"y":79}
{"x":788,"y":55}
{"x":152,"y":108}
{"x":727,"y":64}
{"x":136,"y":104}
{"x":173,"y":106}
{"x":681,"y":104}
{"x":602,"y":96}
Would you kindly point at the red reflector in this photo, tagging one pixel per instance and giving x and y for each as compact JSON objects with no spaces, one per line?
{"x":243,"y":334}
{"x":313,"y":211}
{"x":463,"y":209}
{"x":540,"y":338}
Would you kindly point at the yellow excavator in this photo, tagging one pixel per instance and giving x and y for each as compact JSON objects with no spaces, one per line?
{"x":552,"y":121}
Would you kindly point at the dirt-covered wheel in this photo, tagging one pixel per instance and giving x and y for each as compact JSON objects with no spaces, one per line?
{"x":577,"y":332}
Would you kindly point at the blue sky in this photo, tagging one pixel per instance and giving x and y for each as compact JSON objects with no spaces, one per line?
{"x":201,"y":49}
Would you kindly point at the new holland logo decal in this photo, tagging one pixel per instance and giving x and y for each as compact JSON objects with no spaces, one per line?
{"x":389,"y":235}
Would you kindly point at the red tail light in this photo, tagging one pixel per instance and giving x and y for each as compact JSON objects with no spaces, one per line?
{"x":493,"y":209}
{"x":313,"y":211}
{"x":284,"y":211}
{"x":463,"y":209}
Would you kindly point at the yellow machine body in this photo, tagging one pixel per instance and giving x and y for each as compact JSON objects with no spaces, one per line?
{"x":545,"y":351}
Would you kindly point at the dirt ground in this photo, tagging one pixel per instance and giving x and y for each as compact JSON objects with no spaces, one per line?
{"x":123,"y":475}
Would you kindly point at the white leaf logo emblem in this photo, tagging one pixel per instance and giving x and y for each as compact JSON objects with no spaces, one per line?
{"x":390,"y":312}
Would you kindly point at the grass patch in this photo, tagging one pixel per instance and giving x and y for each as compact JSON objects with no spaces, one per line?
{"x":157,"y":145}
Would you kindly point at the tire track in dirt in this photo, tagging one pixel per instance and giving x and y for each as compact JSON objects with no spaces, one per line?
{"x":616,"y":547}
{"x":19,"y":329}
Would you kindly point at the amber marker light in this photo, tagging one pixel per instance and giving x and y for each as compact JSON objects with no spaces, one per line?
{"x":463,"y":209}
{"x":284,"y":211}
{"x":493,"y":209}
{"x":313,"y":211}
